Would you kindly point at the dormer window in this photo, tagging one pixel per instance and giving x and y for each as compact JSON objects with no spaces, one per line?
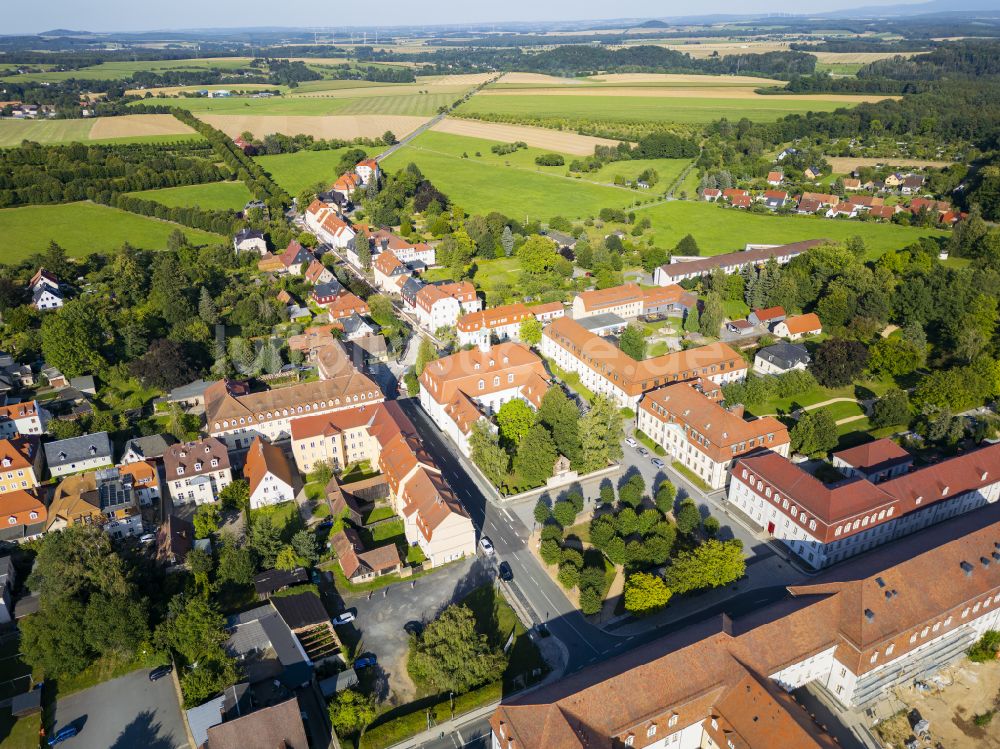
{"x":629,"y":740}
{"x":215,"y":462}
{"x":197,"y":466}
{"x":673,"y":721}
{"x":180,"y":470}
{"x":33,"y":515}
{"x":12,"y":520}
{"x":476,"y":366}
{"x":651,"y":731}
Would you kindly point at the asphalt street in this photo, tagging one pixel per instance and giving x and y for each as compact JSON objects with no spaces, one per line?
{"x":124,"y":713}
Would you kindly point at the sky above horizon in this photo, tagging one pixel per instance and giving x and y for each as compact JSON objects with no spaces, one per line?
{"x":127,"y":15}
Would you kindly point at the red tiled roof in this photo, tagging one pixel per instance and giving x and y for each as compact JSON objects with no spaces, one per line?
{"x":508,"y":314}
{"x":806,"y":323}
{"x":769,"y":313}
{"x":264,"y":458}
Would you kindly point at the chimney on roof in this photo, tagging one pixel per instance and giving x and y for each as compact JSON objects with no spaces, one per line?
{"x":727,"y":624}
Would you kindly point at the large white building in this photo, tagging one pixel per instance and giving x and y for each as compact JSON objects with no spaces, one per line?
{"x":689,"y":422}
{"x":440,"y":305}
{"x":826,"y":523}
{"x":606,"y":369}
{"x":503,"y":322}
{"x":323,"y":221}
{"x":458,"y":390}
{"x":22,"y":418}
{"x":631,"y":300}
{"x":857,"y":631}
{"x":733,"y":262}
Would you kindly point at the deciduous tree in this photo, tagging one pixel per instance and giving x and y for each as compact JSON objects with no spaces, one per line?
{"x":710,"y":565}
{"x":451,"y":655}
{"x":645,"y":593}
{"x":515,"y":418}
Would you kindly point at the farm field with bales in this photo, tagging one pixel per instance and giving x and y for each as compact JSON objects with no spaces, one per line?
{"x":297,"y":171}
{"x":718,"y":230}
{"x":83,"y":228}
{"x":219,"y":196}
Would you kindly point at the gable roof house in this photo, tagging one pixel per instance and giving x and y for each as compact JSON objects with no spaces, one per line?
{"x":86,"y":452}
{"x":911,"y":183}
{"x":386,"y":268}
{"x":368,"y":169}
{"x":359,"y":564}
{"x":26,"y":417}
{"x":269,"y":475}
{"x":23,"y":516}
{"x":502,"y":322}
{"x":796,"y":326}
{"x":766,"y":316}
{"x":105,"y":497}
{"x":741,"y":201}
{"x":711,"y":194}
{"x":458,"y":390}
{"x":20,"y":463}
{"x":344,"y":305}
{"x":325,"y":222}
{"x":46,"y":291}
{"x":775,"y":177}
{"x":852,"y":183}
{"x":149,"y":447}
{"x":318,"y":273}
{"x":294,"y":257}
{"x":278,"y":726}
{"x":270,"y":263}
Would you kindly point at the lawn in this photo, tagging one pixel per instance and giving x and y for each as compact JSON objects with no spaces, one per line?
{"x":297,"y":171}
{"x":862,"y":390}
{"x":718,"y":230}
{"x":482,"y":185}
{"x":358,"y":472}
{"x":572,"y":379}
{"x":646,"y":109}
{"x":82,"y":228}
{"x":285,"y":516}
{"x":845,"y":410}
{"x":213,"y":196}
{"x":19,"y":733}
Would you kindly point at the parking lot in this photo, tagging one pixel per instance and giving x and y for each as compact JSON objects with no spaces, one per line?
{"x":124,"y":713}
{"x":380,"y":620}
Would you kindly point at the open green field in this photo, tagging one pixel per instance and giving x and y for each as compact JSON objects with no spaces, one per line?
{"x":718,"y":230}
{"x":646,"y":109}
{"x":82,"y":228}
{"x":405,"y":104}
{"x":297,"y":171}
{"x":484,"y":184}
{"x":216,"y":196}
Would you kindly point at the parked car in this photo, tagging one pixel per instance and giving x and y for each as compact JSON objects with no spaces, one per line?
{"x":328,"y":523}
{"x":365,"y":661}
{"x":344,"y":618}
{"x":643,"y":451}
{"x":147,"y":538}
{"x":66,"y":732}
{"x":487,"y":546}
{"x":658,"y":463}
{"x":631,"y":442}
{"x":159,"y":672}
{"x":413,"y":628}
{"x":506,"y":573}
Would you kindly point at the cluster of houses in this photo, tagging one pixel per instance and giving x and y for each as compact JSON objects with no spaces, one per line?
{"x":873,"y":203}
{"x":775,"y":320}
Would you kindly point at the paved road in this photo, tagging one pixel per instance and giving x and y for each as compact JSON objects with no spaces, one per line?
{"x":124,"y":713}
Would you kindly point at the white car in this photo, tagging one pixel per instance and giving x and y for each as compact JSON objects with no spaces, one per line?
{"x":487,"y":546}
{"x":631,"y":442}
{"x":346,"y":618}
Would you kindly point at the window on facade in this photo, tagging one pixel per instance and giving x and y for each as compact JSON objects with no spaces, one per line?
{"x":629,"y":740}
{"x":482,"y":384}
{"x":651,"y":731}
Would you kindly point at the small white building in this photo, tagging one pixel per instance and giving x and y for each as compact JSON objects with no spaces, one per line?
{"x":250,"y":240}
{"x":269,"y":474}
{"x":780,"y":358}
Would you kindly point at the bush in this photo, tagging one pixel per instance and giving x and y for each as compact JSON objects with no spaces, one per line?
{"x":983,"y":719}
{"x":550,"y":159}
{"x":985,"y":648}
{"x":711,"y":525}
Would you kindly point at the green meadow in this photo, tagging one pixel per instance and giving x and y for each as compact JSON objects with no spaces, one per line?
{"x":218,"y":196}
{"x":644,"y":109}
{"x":82,"y":228}
{"x":297,"y":171}
{"x":12,"y":132}
{"x":718,"y":230}
{"x":414,"y":104}
{"x":126,"y":69}
{"x":512,"y":184}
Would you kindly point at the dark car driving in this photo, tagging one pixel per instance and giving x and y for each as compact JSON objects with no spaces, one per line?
{"x":159,"y":672}
{"x":506,"y":573}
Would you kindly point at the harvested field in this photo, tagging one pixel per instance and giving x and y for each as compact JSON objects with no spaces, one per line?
{"x":380,"y":90}
{"x":131,"y":125}
{"x":845,"y":164}
{"x":683,"y":78}
{"x":722,"y":92}
{"x":175,"y":90}
{"x":538,"y":78}
{"x":862,"y":57}
{"x":346,"y":127}
{"x":464,"y":79}
{"x":539,"y":137}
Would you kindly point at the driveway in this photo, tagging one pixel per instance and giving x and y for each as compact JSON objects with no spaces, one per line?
{"x":380,"y":620}
{"x":127,"y":712}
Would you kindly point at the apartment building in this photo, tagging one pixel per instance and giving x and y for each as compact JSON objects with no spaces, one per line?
{"x":197,"y":471}
{"x":733,"y":262}
{"x":874,"y":623}
{"x":22,"y":418}
{"x":690,"y":423}
{"x":269,"y":475}
{"x":826,"y":523}
{"x":440,"y":305}
{"x":25,"y":516}
{"x":382,"y":240}
{"x":458,"y":390}
{"x":607,"y":370}
{"x":631,"y":300}
{"x":20,"y":463}
{"x":323,"y":221}
{"x":338,"y":439}
{"x":83,"y":453}
{"x":236,"y":416}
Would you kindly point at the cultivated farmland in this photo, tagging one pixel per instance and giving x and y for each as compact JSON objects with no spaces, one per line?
{"x":344,"y":127}
{"x":82,"y":228}
{"x":133,"y":127}
{"x":539,"y":137}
